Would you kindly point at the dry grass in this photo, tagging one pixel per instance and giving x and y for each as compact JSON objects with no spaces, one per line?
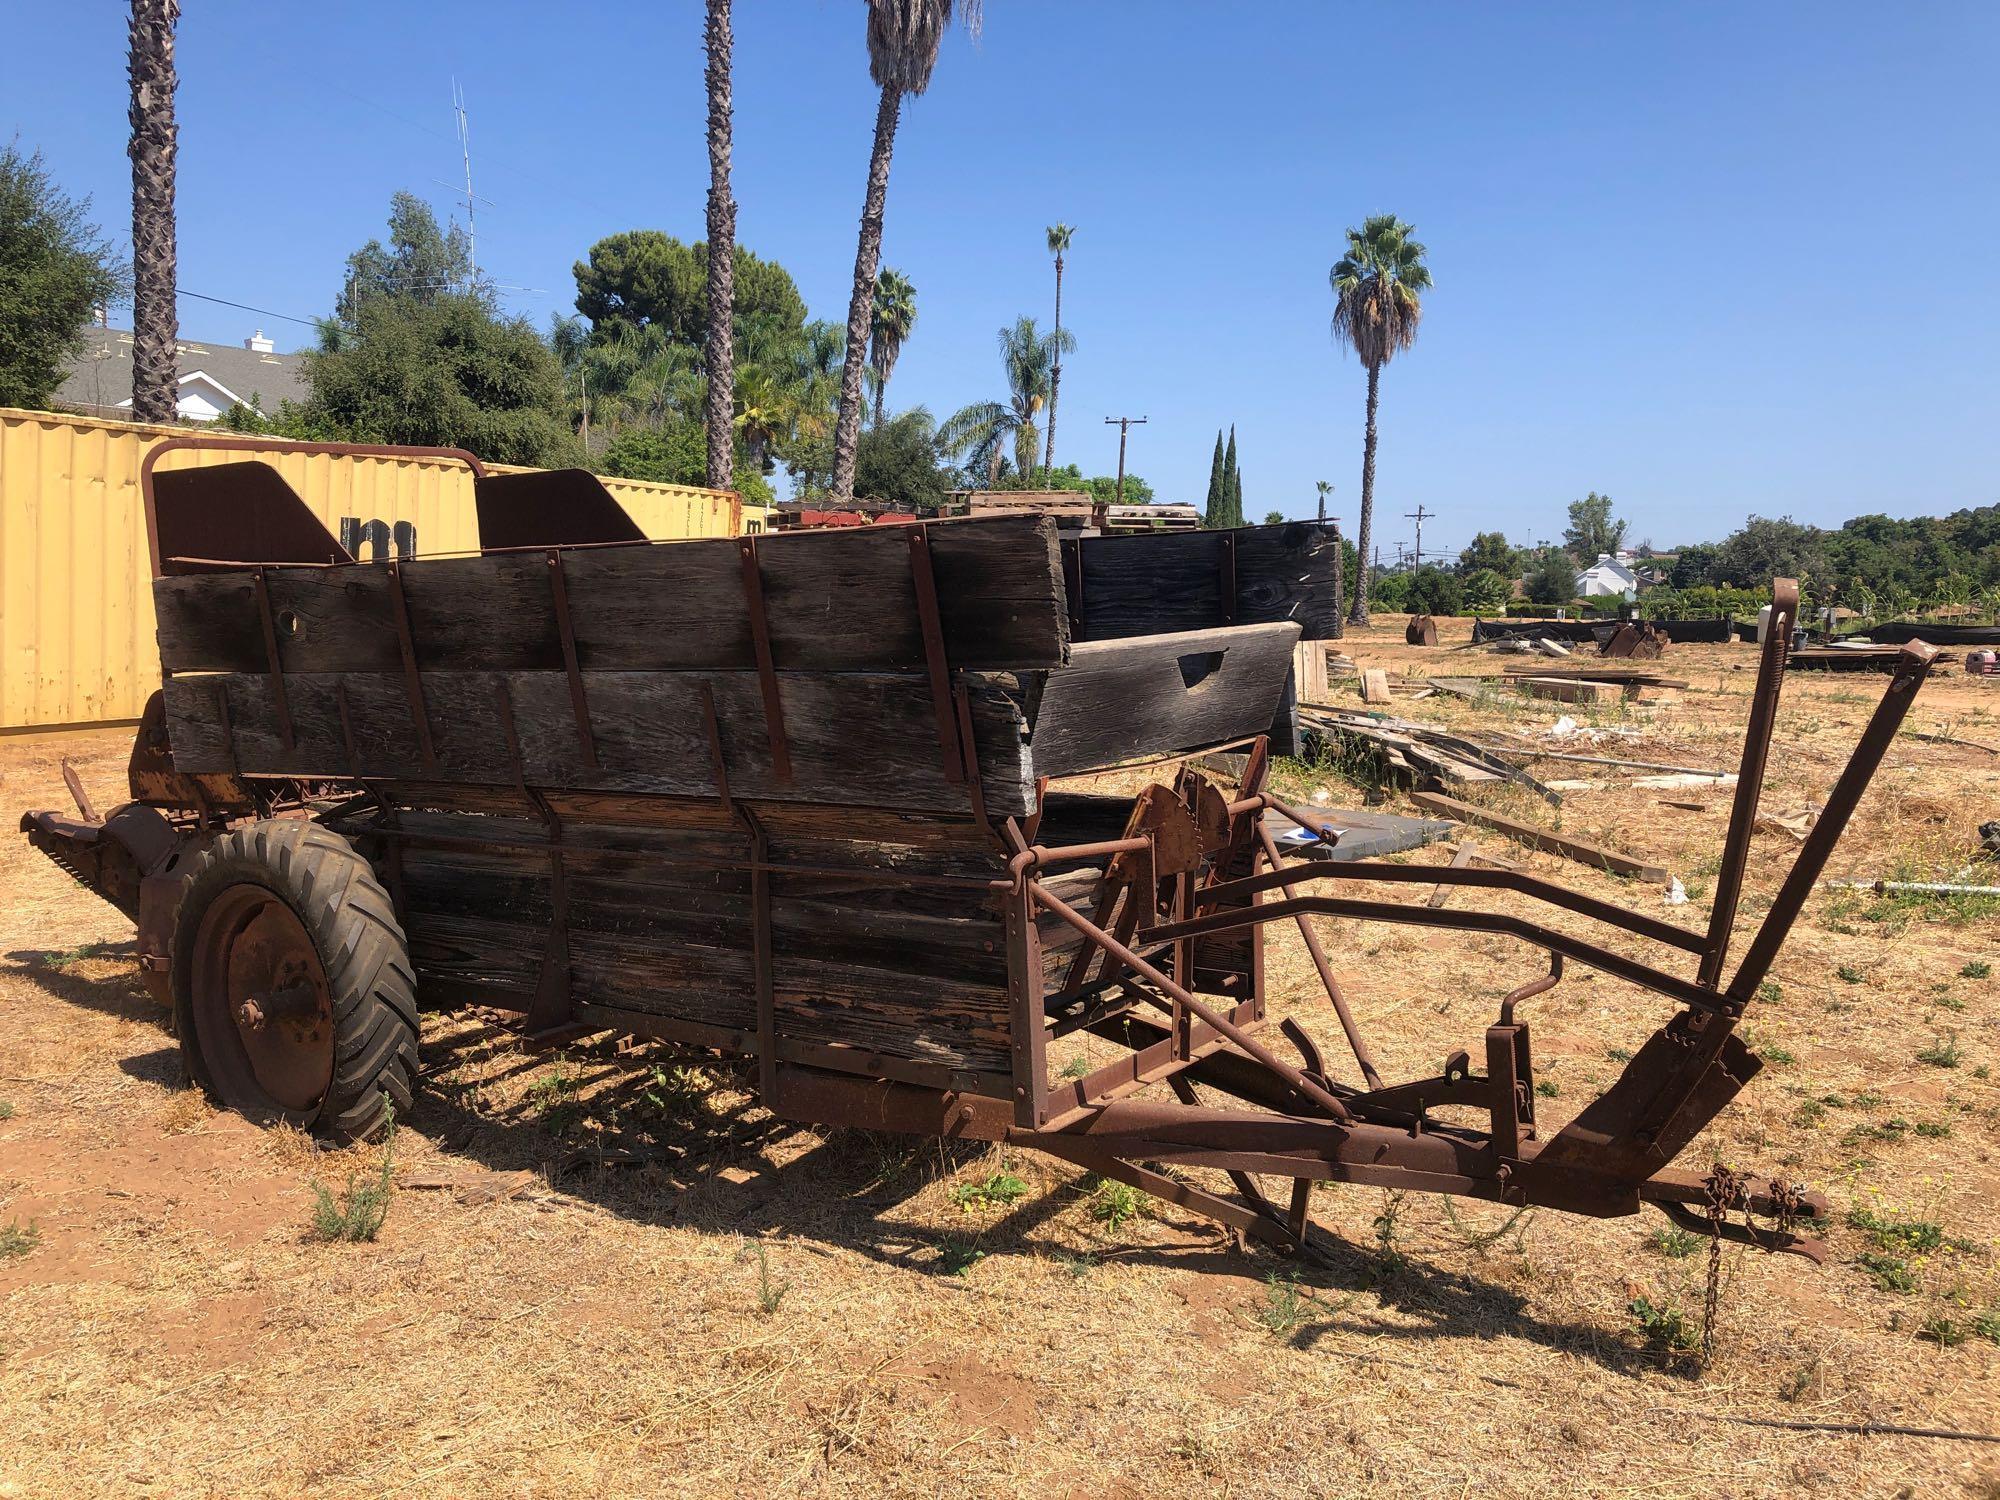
{"x":695,"y":1299}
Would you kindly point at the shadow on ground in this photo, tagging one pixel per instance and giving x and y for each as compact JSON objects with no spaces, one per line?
{"x":670,"y":1136}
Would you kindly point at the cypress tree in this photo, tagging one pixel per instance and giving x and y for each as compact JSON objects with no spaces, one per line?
{"x":1209,"y":511}
{"x":1232,"y":487}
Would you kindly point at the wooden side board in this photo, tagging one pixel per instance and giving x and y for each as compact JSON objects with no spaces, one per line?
{"x":834,"y":601}
{"x":856,"y":738}
{"x":1151,"y":584}
{"x":1153,"y":695}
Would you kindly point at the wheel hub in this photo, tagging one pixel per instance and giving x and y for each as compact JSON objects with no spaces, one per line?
{"x":262,"y":1004}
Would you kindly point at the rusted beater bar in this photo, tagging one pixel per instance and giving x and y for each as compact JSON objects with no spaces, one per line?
{"x":936,"y":664}
{"x":1124,"y":955}
{"x":969,"y":748}
{"x":1911,"y":668}
{"x":1466,"y":921}
{"x":767,"y":670}
{"x":1352,"y":1031}
{"x":413,"y":680}
{"x":579,"y":703}
{"x":277,"y":666}
{"x":1750,"y":777}
{"x":1505,"y":880}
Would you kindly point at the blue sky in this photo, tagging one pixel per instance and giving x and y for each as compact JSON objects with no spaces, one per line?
{"x":1710,"y":259}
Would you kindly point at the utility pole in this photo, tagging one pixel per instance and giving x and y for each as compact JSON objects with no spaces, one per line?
{"x":1125,"y":425}
{"x":1418,"y":515}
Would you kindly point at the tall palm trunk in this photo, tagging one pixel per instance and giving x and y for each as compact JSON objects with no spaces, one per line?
{"x":1055,"y":374}
{"x":1364,"y":534}
{"x":721,"y":256}
{"x":881,"y":390}
{"x":867,"y":260}
{"x":155,"y":321}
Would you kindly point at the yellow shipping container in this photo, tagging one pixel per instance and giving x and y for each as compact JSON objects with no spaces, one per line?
{"x":76,"y":603}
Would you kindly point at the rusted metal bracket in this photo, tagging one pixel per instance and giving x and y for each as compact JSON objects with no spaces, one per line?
{"x":551,"y":1014}
{"x":276,"y":665}
{"x":579,"y":704}
{"x":937,"y":665}
{"x":762,"y":953}
{"x":413,"y":680}
{"x":767,"y":670}
{"x":1227,"y":565}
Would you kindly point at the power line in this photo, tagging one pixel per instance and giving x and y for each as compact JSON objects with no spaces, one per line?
{"x":180,"y":291}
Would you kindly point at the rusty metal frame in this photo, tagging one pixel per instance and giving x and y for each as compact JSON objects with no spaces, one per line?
{"x":579,"y":702}
{"x":767,"y":670}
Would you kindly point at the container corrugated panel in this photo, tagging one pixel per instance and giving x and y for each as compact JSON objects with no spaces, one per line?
{"x":76,"y":604}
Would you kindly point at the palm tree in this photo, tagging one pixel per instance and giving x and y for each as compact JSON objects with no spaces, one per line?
{"x":1059,"y":238}
{"x":981,"y":433}
{"x":1325,"y":488}
{"x":721,"y":255}
{"x":1378,"y":286}
{"x":903,"y":41}
{"x":155,"y":322}
{"x":893,"y":316}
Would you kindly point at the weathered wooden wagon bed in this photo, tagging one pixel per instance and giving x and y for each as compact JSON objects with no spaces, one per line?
{"x":813,"y":799}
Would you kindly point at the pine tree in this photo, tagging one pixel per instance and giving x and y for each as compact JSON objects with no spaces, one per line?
{"x":1215,"y":472}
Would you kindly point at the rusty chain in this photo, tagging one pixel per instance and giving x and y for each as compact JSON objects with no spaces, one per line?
{"x":1724,"y":1186}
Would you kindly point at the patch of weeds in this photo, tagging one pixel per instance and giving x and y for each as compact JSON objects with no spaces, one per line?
{"x":957,"y":1257}
{"x":1795,"y":1385}
{"x":1388,"y":1259}
{"x":1987,"y":1325}
{"x":1942,"y":1331}
{"x":678,"y":1091}
{"x":1977,"y":968}
{"x":1548,"y":1088}
{"x":1892,"y":1231}
{"x":1480,"y":1240}
{"x":75,"y":955}
{"x":1867,"y":1099}
{"x":1782,"y":1056}
{"x":358,"y":1213}
{"x":17,"y":1239}
{"x":1933,"y":1130}
{"x":1076,"y":1267}
{"x":1809,"y":1113}
{"x":1770,"y":992}
{"x":1285,"y":1306}
{"x":1982,"y":1072}
{"x":995,"y":1188}
{"x":6,"y":1109}
{"x":1116,"y":1203}
{"x":1941,"y":1052}
{"x":553,"y":1096}
{"x":1076,"y":1067}
{"x":1675,"y":1242}
{"x":1619,"y":1054}
{"x":1951,"y":1002}
{"x":1891,"y":1273}
{"x":1849,"y":973}
{"x":1892,"y":1129}
{"x":769,"y":1293}
{"x":1665,"y":1328}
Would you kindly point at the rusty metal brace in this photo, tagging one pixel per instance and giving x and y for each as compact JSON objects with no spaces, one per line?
{"x":413,"y":681}
{"x":275,"y":665}
{"x":767,"y":670}
{"x":937,"y":665}
{"x":579,"y":704}
{"x":762,"y":956}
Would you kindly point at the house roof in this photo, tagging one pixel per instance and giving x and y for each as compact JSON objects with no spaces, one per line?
{"x":101,"y":380}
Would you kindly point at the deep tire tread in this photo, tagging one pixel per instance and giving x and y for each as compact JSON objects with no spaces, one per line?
{"x":361,"y":947}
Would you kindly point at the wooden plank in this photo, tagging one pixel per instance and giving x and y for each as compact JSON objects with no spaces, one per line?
{"x":1152,"y":695}
{"x":1375,"y":686}
{"x":857,"y":738}
{"x":1642,"y":676}
{"x":1173,"y":581}
{"x":835,"y":600}
{"x":1568,"y":689}
{"x":1541,"y":838}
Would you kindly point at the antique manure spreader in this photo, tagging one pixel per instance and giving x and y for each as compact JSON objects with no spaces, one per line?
{"x":819,"y":800}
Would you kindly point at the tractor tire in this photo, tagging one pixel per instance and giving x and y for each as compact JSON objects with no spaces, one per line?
{"x":294,"y":998}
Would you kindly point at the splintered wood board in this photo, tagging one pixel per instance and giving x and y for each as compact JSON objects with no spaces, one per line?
{"x":1541,"y":838}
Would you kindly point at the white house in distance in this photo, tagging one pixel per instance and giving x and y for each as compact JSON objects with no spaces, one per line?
{"x":1609,"y":577}
{"x":212,"y":377}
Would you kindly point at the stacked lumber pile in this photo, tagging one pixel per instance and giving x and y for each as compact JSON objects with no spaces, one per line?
{"x":1414,"y":755}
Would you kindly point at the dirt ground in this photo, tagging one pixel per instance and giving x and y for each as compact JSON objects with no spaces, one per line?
{"x":680,"y":1295}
